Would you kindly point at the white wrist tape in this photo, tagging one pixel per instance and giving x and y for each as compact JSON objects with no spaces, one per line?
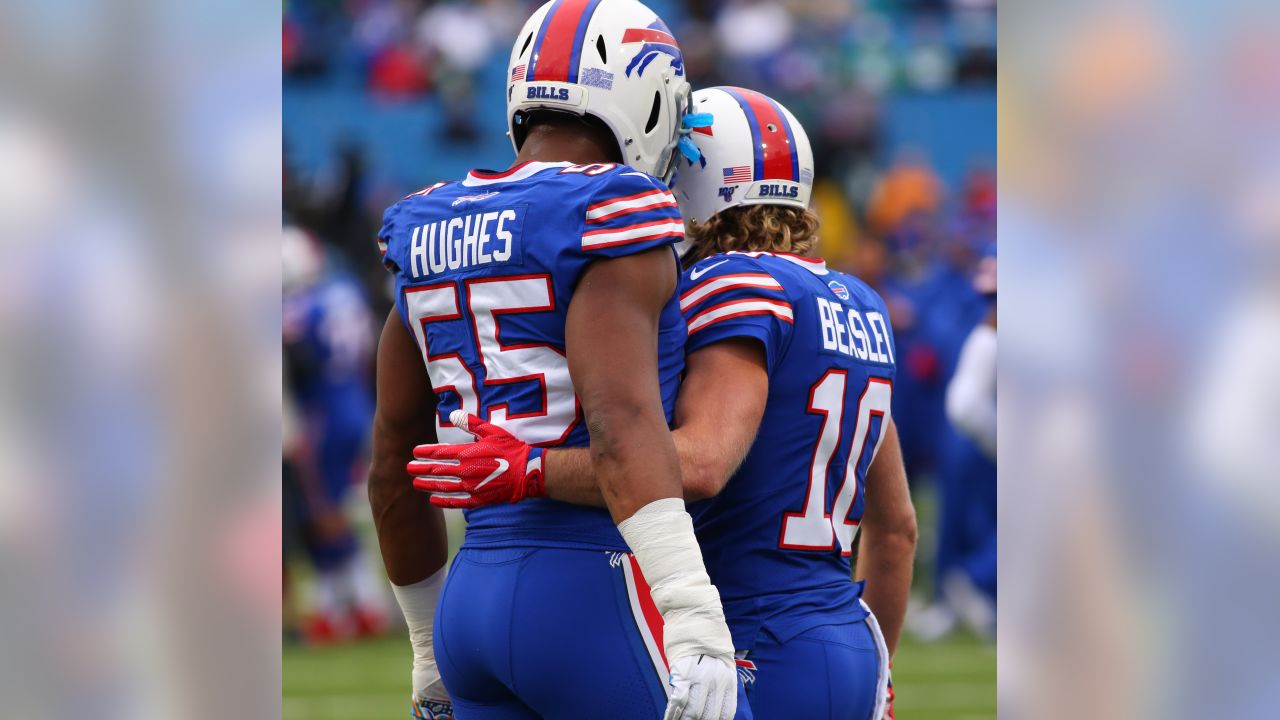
{"x":660,"y":536}
{"x":418,"y":603}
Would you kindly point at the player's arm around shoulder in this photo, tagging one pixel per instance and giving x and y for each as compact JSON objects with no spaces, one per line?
{"x":717,"y":416}
{"x":723,"y":394}
{"x":722,"y":400}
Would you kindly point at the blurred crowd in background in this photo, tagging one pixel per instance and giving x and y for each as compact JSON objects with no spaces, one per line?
{"x":1140,"y":337}
{"x":382,"y":97}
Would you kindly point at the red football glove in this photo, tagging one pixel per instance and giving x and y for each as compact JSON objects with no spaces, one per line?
{"x":496,"y":468}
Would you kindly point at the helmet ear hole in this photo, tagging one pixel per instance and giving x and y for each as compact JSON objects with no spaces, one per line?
{"x":653,"y":113}
{"x":604,"y":58}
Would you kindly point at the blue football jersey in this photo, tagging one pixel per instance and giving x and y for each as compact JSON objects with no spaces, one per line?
{"x":328,"y":329}
{"x":484,"y":270}
{"x":777,"y":540}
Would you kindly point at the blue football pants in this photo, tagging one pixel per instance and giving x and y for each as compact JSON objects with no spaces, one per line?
{"x":562,"y":634}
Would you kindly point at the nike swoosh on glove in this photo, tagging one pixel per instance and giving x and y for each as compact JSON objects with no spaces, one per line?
{"x":496,"y":468}
{"x":703,"y":687}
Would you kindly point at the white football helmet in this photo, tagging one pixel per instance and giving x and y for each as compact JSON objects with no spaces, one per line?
{"x":614,"y":60}
{"x":753,"y":153}
{"x":301,"y":261}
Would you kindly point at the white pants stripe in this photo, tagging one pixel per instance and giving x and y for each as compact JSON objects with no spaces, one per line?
{"x":882,"y":679}
{"x":651,"y":641}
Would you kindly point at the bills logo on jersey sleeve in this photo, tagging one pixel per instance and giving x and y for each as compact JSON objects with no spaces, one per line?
{"x":657,"y":40}
{"x":839,"y":289}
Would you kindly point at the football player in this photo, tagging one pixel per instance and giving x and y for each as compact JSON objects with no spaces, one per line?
{"x":505,"y":283}
{"x":328,"y":346}
{"x":788,"y":389}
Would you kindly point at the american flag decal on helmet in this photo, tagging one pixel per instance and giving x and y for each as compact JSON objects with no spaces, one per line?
{"x":517,"y":73}
{"x":741,"y":173}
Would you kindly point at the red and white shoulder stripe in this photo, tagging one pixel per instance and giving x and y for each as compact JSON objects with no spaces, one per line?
{"x":639,"y":232}
{"x":727,"y":283}
{"x":780,"y":309}
{"x":639,"y":202}
{"x":426,"y":190}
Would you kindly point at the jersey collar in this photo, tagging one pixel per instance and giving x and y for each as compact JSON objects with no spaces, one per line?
{"x":476,"y":178}
{"x":817,"y":266}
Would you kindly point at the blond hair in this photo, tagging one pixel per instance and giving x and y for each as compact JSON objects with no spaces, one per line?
{"x":753,"y":228}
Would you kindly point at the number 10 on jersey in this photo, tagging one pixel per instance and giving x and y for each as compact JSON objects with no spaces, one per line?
{"x":816,"y":528}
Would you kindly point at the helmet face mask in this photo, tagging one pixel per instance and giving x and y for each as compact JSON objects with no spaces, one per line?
{"x":755,"y":153}
{"x":614,"y":60}
{"x":669,"y":160}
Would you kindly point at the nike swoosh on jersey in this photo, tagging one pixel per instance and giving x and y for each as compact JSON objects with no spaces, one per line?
{"x":699,"y":272}
{"x":502,"y":467}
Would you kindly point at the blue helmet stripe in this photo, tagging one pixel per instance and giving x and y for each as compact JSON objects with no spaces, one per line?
{"x":576,"y":58}
{"x":754,"y":124}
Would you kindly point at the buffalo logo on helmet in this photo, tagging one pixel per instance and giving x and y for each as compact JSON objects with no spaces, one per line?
{"x":657,"y":40}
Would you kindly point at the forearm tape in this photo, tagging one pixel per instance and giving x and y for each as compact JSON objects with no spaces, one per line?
{"x":418,"y":603}
{"x":661,"y":537}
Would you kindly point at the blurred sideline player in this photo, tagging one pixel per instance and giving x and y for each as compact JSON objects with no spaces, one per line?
{"x":971,"y":394}
{"x":970,"y":588}
{"x":506,"y":282}
{"x":800,"y":356}
{"x":328,"y":344}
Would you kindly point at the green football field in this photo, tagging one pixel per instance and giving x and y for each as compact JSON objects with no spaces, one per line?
{"x":954,"y":679}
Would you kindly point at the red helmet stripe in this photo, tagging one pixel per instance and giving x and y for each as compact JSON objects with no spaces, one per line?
{"x":774,"y":152}
{"x":554,"y":52}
